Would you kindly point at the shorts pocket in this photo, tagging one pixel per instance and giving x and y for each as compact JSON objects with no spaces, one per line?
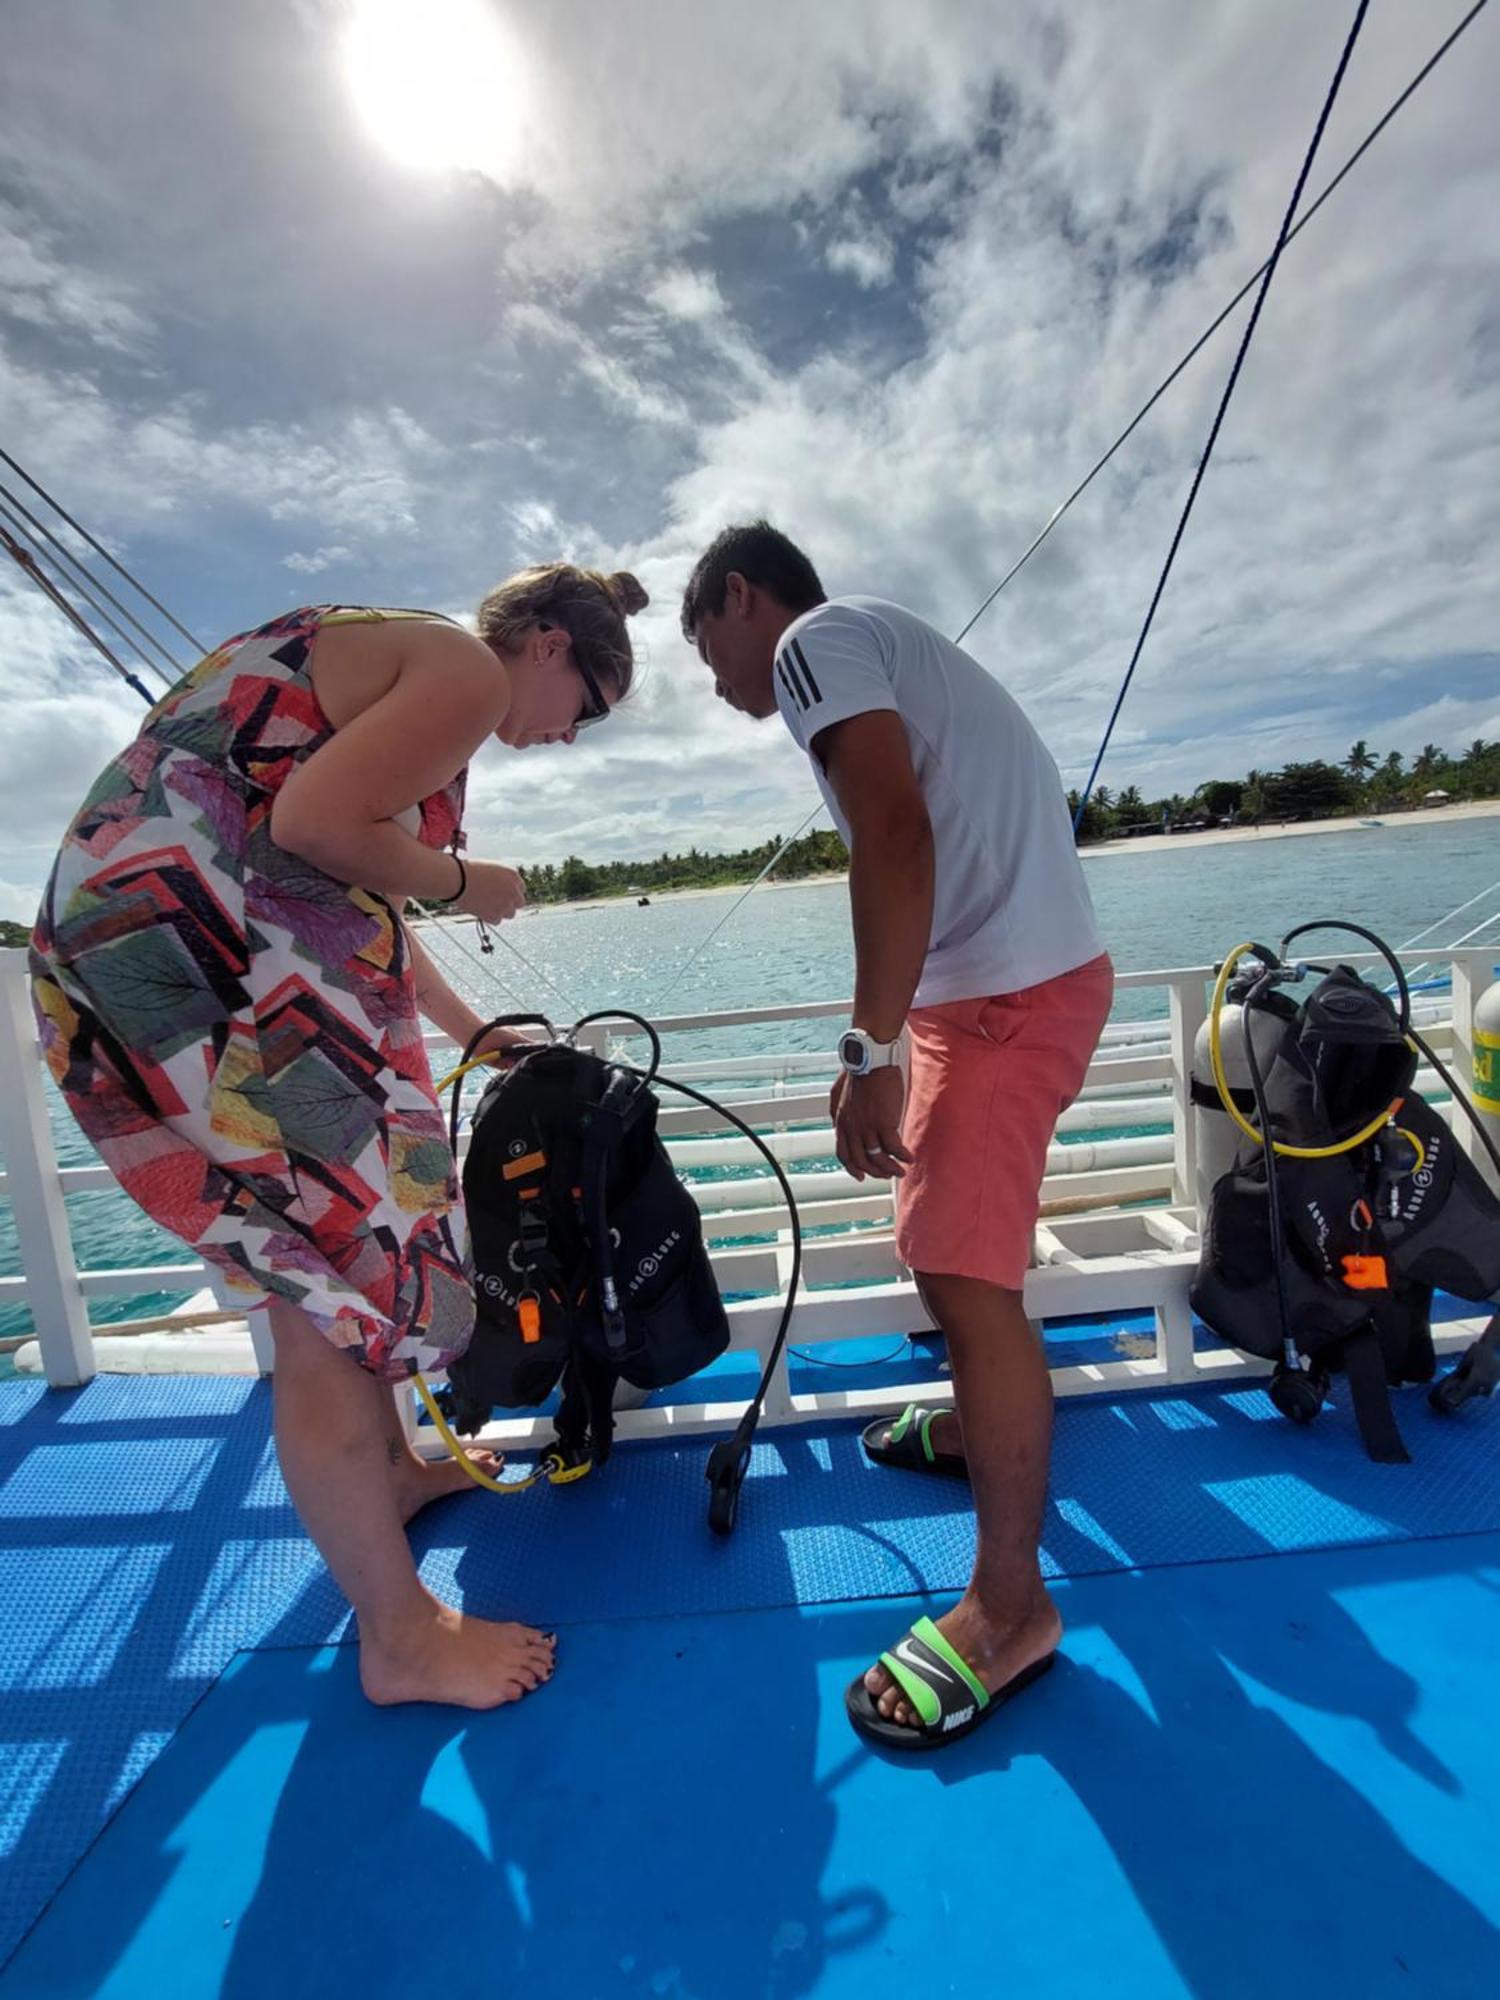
{"x":1003,"y":1019}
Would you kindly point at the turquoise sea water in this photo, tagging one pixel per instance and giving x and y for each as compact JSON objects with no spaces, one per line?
{"x":1176,"y":907}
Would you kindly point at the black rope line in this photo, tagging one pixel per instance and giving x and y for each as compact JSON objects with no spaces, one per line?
{"x":1213,"y":326}
{"x":80,"y":568}
{"x":1229,"y":387}
{"x":27,"y":562}
{"x":35,"y":534}
{"x":98,"y":547}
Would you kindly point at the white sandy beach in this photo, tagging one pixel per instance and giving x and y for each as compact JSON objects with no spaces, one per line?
{"x":1146,"y":843}
{"x":1150,"y":843}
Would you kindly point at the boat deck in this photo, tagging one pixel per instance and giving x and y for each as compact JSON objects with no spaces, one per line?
{"x":1268,"y":1763}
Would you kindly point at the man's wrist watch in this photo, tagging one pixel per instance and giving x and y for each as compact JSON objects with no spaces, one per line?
{"x":859,"y":1053}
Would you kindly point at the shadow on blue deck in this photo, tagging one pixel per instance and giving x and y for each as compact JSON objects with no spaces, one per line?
{"x":1223,"y":1739}
{"x":1264,"y":1782}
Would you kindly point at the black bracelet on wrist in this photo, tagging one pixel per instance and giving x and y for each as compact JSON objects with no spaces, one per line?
{"x":463,"y":882}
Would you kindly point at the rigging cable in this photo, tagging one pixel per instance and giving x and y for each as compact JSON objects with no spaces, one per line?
{"x":36,"y":486}
{"x":81,"y":568}
{"x":12,"y":513}
{"x":1213,"y":326}
{"x":27,"y":562}
{"x":1229,"y":387}
{"x":1143,"y":412}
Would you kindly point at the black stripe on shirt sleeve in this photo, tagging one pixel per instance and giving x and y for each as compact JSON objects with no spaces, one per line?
{"x":794,"y":679}
{"x":793,"y":691}
{"x":807,"y":673}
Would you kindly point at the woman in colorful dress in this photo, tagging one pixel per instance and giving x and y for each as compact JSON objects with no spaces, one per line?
{"x":230,"y":1001}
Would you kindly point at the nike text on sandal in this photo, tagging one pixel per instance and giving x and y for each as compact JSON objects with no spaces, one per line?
{"x":911,"y":1444}
{"x":948,"y":1696}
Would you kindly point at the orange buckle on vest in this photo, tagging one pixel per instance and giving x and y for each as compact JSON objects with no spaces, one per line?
{"x":533,"y":1163}
{"x":1366,"y":1274}
{"x":529,"y":1312}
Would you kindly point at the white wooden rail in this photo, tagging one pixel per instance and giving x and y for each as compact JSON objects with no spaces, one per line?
{"x":1093,"y":1255}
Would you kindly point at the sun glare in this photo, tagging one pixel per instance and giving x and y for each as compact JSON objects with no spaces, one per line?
{"x":433,"y":80}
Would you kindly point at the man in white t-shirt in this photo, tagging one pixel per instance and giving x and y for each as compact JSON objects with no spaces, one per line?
{"x":976,"y":948}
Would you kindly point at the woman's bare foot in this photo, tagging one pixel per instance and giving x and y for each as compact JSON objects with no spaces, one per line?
{"x":420,"y":1480}
{"x":440,"y":1655}
{"x":997,"y":1650}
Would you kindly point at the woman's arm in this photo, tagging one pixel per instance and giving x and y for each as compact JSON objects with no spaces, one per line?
{"x":338,"y":810}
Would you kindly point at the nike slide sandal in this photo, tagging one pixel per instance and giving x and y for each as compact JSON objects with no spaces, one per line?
{"x":950,"y":1699}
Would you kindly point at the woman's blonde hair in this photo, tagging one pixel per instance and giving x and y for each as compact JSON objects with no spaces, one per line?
{"x":589,"y":606}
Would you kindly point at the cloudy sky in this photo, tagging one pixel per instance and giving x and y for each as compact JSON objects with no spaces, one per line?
{"x":299,"y":302}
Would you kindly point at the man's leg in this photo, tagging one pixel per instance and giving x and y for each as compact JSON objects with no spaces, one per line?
{"x":334,"y":1425}
{"x":1005,"y":1620}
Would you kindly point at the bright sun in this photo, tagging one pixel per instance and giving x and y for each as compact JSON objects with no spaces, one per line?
{"x":433,"y":80}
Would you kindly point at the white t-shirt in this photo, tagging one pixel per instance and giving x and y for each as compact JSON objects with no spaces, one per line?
{"x":1010,"y":906}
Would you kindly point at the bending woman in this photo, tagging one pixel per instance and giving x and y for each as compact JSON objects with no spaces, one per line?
{"x":230,"y":1003}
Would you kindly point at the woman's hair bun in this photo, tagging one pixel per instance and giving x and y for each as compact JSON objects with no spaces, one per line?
{"x":627,"y":592}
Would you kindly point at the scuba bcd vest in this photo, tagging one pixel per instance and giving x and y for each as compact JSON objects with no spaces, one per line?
{"x":589,"y":1265}
{"x":1335,"y":1258}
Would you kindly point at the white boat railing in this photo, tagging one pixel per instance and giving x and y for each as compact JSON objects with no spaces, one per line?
{"x":1118,"y":1229}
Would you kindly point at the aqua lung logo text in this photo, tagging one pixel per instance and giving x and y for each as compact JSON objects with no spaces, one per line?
{"x":650,"y":1265}
{"x":1422,"y":1180}
{"x":1320,"y":1223}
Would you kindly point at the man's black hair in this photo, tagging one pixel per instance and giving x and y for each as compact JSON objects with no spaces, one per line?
{"x":764,"y":557}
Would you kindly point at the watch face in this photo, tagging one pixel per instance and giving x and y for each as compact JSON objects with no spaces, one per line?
{"x":853,"y":1054}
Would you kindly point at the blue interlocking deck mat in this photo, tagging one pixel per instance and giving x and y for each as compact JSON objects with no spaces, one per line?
{"x":1274,"y":1778}
{"x":146,"y":1541}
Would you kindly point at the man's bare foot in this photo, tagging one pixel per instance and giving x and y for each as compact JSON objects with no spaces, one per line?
{"x":997,"y":1650}
{"x":444,"y":1656}
{"x":420,"y":1480}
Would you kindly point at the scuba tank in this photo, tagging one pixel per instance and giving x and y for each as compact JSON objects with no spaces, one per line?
{"x":1218,"y":1138}
{"x":1487,"y":1057}
{"x":1321,"y":1250}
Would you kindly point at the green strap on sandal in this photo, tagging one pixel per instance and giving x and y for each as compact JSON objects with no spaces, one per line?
{"x":949,"y":1698}
{"x":935,"y":1678}
{"x":910,"y":1444}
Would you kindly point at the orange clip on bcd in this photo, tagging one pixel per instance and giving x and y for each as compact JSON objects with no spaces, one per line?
{"x":529,"y":1312}
{"x":1366,"y":1274}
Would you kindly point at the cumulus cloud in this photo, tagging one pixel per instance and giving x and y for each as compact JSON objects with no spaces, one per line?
{"x":894,"y":278}
{"x":39,"y":288}
{"x":870,"y":260}
{"x":315,"y":562}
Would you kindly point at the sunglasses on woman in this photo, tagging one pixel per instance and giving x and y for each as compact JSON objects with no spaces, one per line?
{"x":596,"y":708}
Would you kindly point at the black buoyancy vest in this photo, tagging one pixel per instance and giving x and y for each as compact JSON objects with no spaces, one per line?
{"x":588,"y":1258}
{"x":1368,"y":1234}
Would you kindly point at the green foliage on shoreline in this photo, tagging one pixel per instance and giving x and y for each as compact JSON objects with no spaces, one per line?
{"x":1363,"y":783}
{"x":574,"y":880}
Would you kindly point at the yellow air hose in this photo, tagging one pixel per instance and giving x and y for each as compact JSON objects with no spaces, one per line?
{"x":1221,"y":1081}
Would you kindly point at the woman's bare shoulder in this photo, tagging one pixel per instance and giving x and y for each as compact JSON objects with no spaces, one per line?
{"x":357,"y":664}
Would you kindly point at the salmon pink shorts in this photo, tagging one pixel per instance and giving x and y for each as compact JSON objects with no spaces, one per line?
{"x":989,"y":1080}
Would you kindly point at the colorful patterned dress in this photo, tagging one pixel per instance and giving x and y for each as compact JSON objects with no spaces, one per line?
{"x":237,"y":1033}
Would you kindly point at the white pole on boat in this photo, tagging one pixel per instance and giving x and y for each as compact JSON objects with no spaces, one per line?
{"x":1188,"y":1003}
{"x":34,"y":1187}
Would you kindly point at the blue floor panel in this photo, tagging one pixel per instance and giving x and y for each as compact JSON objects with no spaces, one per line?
{"x":146,"y":1538}
{"x":1266,"y":1779}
